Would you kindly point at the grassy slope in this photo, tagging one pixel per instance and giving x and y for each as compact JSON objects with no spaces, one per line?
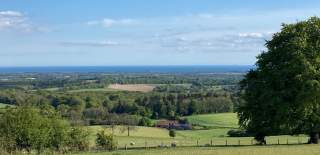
{"x":247,"y":150}
{"x":221,"y":120}
{"x":137,"y":132}
{"x":153,"y":136}
{"x":220,"y":123}
{"x":2,"y":105}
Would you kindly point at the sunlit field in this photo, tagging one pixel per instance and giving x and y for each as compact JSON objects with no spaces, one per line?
{"x":247,"y":150}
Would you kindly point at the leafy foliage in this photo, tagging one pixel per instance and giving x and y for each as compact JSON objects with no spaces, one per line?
{"x":282,"y":94}
{"x":28,"y":128}
{"x":172,"y":133}
{"x":105,"y":141}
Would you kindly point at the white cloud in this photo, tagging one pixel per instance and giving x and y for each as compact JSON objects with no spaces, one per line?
{"x":12,"y":19}
{"x":107,"y":22}
{"x":211,"y":41}
{"x":90,"y":43}
{"x":257,"y":35}
{"x":11,"y":13}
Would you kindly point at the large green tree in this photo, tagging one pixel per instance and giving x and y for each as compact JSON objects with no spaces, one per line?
{"x":282,"y":94}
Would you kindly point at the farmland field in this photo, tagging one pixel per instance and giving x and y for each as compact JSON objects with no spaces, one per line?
{"x":119,"y":87}
{"x":132,"y":87}
{"x":92,"y":90}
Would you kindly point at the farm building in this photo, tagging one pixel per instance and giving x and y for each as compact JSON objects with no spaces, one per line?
{"x":173,"y":124}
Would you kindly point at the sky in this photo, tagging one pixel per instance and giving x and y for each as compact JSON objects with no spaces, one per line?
{"x":142,"y":32}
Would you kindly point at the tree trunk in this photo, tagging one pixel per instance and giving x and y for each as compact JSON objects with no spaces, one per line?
{"x":314,"y":138}
{"x":260,"y":138}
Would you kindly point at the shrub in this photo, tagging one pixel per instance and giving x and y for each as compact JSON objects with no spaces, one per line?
{"x":238,"y":133}
{"x":78,"y":139}
{"x":172,"y":133}
{"x":26,"y":128}
{"x":144,"y":121}
{"x":105,"y":141}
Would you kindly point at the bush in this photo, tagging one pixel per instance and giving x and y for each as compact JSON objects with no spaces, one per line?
{"x":79,"y":139}
{"x":172,"y":133}
{"x":105,"y":141}
{"x":26,"y":128}
{"x":238,"y":133}
{"x":144,"y":121}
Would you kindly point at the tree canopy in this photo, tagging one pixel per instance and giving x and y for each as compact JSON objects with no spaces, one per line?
{"x":281,"y":93}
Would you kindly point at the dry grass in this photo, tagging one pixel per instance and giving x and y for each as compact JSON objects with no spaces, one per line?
{"x":132,"y":87}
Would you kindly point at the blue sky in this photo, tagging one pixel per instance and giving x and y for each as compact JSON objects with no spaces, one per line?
{"x":142,"y":32}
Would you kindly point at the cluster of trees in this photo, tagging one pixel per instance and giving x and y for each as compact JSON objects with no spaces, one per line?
{"x":31,"y":129}
{"x":282,"y":95}
{"x":99,"y":107}
{"x":28,"y":128}
{"x":174,"y":105}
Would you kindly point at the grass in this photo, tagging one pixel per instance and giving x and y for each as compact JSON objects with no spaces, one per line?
{"x":2,"y":105}
{"x":139,"y":135}
{"x":219,"y":125}
{"x":221,"y":120}
{"x":203,"y":134}
{"x":245,"y":150}
{"x":139,"y":131}
{"x":188,"y":139}
{"x":92,"y":90}
{"x":119,"y":87}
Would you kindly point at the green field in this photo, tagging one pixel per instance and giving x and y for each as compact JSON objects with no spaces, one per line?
{"x":221,"y":120}
{"x":246,"y":150}
{"x":92,"y":90}
{"x":219,"y":125}
{"x":132,"y":87}
{"x":2,"y":105}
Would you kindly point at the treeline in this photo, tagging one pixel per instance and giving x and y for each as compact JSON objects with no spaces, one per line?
{"x":96,"y":107}
{"x":67,"y":81}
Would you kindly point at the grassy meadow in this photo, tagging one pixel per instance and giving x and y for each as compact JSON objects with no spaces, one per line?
{"x":2,"y":105}
{"x":215,"y":134}
{"x":246,"y":150}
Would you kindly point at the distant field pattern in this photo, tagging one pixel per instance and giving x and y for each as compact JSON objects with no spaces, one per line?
{"x":132,"y":87}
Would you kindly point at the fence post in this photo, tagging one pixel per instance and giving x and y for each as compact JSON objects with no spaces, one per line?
{"x":298,"y":140}
{"x":226,"y":142}
{"x":197,"y":142}
{"x":145,"y":144}
{"x":126,"y":148}
{"x":287,"y":141}
{"x":239,"y":142}
{"x":251,"y":141}
{"x":278,"y":141}
{"x":211,"y":143}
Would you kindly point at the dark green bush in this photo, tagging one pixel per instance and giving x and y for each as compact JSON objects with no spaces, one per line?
{"x":106,"y":141}
{"x":238,"y":133}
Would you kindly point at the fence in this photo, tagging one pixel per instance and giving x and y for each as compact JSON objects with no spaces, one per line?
{"x":215,"y":142}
